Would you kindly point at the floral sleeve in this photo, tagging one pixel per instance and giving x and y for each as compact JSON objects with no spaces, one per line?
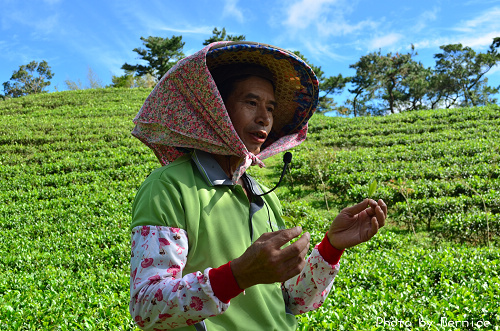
{"x":308,"y":290}
{"x":161,"y":296}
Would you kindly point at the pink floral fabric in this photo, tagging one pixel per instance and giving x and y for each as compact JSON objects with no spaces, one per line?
{"x":185,"y":111}
{"x":163,"y":298}
{"x":308,"y":290}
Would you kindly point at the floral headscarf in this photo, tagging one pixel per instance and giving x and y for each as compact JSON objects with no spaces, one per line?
{"x":185,"y":111}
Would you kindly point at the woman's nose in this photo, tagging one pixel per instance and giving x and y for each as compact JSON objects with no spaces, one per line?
{"x":264,"y":116}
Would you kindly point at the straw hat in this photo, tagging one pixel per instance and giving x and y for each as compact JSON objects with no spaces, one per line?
{"x":296,"y":85}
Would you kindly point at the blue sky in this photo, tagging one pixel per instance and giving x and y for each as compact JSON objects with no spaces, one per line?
{"x":75,"y":35}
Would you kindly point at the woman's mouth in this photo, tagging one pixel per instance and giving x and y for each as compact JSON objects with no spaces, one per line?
{"x":261,"y":136}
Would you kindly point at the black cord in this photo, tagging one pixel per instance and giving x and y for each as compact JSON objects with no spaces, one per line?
{"x":287,"y":158}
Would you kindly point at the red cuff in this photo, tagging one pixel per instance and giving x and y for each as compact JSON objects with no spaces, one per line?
{"x":223,"y":283}
{"x":328,"y":252}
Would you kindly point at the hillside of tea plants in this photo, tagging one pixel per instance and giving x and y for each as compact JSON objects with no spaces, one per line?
{"x":69,"y":170}
{"x":437,"y":170}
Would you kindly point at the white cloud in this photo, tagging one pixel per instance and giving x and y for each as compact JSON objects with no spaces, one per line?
{"x":480,"y":2}
{"x":327,"y":17}
{"x":425,"y":18}
{"x":480,"y":41}
{"x":52,"y":2}
{"x":320,"y":51}
{"x":19,"y":53}
{"x":486,"y":21}
{"x":477,"y":32}
{"x":205,"y":30}
{"x":38,"y":24}
{"x":47,"y":25}
{"x":136,"y":17}
{"x":302,"y":13}
{"x":231,"y":10}
{"x":494,"y":70}
{"x":435,"y":42}
{"x":339,"y":27}
{"x":385,"y":41}
{"x":423,"y":44}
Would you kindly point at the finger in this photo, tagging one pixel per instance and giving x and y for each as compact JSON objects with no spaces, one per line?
{"x":297,"y":247}
{"x":269,"y":236}
{"x":380,"y":216}
{"x":373,"y":207}
{"x":356,"y":209}
{"x":372,"y":203}
{"x":370,"y":212}
{"x":281,"y":237}
{"x":295,"y":269}
{"x":382,"y":205}
{"x":304,"y":252}
{"x":375,"y":227}
{"x":296,"y":264}
{"x":295,"y":260}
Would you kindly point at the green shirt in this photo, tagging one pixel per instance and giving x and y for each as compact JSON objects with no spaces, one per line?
{"x":194,"y":194}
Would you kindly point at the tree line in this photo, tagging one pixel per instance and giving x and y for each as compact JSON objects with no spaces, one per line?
{"x":382,"y":83}
{"x":397,"y":82}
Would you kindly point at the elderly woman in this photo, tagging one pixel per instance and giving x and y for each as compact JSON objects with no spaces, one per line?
{"x":210,"y":250}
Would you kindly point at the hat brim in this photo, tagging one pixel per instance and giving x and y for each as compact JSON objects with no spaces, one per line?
{"x":296,"y":84}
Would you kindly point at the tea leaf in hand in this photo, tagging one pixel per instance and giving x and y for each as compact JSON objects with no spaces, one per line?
{"x":372,"y":188}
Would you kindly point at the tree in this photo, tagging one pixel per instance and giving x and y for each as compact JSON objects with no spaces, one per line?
{"x":396,"y":79}
{"x":29,"y":79}
{"x":418,"y":82}
{"x":129,"y":81}
{"x":463,"y":71}
{"x":364,"y":86}
{"x":93,"y":79}
{"x":222,"y":36}
{"x":394,"y":74}
{"x":494,"y":45}
{"x":395,"y":83}
{"x":161,"y":54}
{"x":94,"y":82}
{"x":331,"y":86}
{"x":74,"y":85}
{"x":126,"y":80}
